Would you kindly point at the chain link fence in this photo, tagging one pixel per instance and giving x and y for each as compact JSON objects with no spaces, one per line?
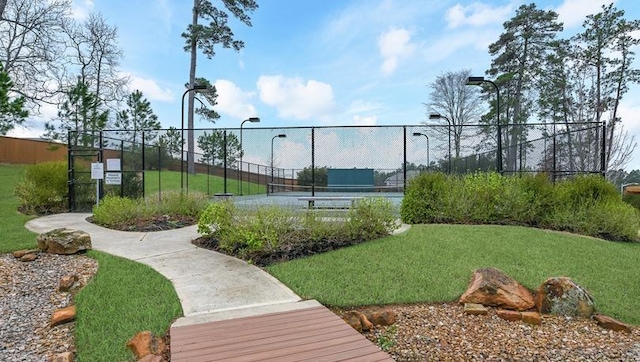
{"x":307,"y":160}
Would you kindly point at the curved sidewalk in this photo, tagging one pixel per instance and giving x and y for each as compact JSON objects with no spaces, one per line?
{"x":211,"y":286}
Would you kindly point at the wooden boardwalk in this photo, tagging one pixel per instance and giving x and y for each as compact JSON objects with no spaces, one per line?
{"x":314,"y":334}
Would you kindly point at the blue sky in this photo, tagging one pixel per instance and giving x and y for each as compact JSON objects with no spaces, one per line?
{"x":319,"y":62}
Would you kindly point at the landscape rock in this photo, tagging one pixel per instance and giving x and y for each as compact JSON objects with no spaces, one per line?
{"x":491,"y":287}
{"x":144,"y":344}
{"x":531,"y":318}
{"x":562,"y":296}
{"x":610,"y":323}
{"x":509,"y":315}
{"x":64,"y":241}
{"x":67,"y":282}
{"x":20,"y":253}
{"x":63,"y":315}
{"x":151,"y":358}
{"x":357,"y":320}
{"x":475,"y":309}
{"x":29,"y":257}
{"x":63,"y":357}
{"x":381,"y":316}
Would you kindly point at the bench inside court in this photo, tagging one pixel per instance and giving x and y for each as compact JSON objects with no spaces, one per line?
{"x":312,"y":201}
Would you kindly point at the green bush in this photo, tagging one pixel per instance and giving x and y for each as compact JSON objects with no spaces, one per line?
{"x":274,"y":229}
{"x":44,"y":188}
{"x":586,"y":205}
{"x":116,"y":210}
{"x":633,"y":200}
{"x":178,"y":203}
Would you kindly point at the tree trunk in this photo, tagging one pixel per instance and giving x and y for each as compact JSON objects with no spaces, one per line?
{"x":192,"y":80}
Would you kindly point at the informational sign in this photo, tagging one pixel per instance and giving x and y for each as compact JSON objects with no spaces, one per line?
{"x":113,"y":178}
{"x":97,"y":171}
{"x":113,"y":164}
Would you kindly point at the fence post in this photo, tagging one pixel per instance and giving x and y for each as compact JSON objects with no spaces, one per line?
{"x":603,"y":152}
{"x":313,"y":162}
{"x":122,"y":168}
{"x":159,"y":173}
{"x":143,"y":163}
{"x":404,"y":162}
{"x":70,"y":173}
{"x":224,"y":163}
{"x":100,"y":159}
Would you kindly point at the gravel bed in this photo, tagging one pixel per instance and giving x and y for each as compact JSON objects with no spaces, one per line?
{"x":28,"y":298}
{"x":441,"y":332}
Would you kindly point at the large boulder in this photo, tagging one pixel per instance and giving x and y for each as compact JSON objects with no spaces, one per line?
{"x":562,"y":296}
{"x":64,"y":241}
{"x":491,"y":287}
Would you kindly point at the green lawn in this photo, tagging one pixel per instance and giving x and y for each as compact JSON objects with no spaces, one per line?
{"x":124,"y":297}
{"x":434,"y":263}
{"x":208,"y":184}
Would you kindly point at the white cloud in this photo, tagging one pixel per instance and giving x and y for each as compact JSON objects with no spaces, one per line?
{"x":476,"y":14}
{"x":81,"y":9}
{"x":151,"y":89}
{"x":233,"y":101}
{"x":476,"y":41}
{"x":395,"y":45}
{"x":296,"y":99}
{"x":364,"y":120}
{"x":573,"y":12}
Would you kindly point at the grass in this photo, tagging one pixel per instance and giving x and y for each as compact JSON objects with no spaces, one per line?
{"x":208,"y":184}
{"x":434,"y":263}
{"x":14,"y":235}
{"x":124,"y":298}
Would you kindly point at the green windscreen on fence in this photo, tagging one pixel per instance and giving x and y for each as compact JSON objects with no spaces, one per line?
{"x":350,"y":178}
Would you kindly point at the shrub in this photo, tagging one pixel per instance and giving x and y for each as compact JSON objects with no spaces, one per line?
{"x":633,"y":200}
{"x":115,"y":210}
{"x":424,"y":199}
{"x":44,"y":188}
{"x":370,"y":218}
{"x":178,"y":203}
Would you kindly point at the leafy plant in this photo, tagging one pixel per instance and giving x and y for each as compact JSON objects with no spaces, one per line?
{"x":43,"y":189}
{"x":387,"y":339}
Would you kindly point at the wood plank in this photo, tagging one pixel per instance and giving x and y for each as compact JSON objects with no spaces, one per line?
{"x":314,"y":333}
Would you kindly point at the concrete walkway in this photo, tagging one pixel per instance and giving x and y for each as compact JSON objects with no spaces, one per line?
{"x":211,"y":286}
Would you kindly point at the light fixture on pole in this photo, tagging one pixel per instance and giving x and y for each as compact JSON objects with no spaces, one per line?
{"x":479,"y":81}
{"x":449,"y":125}
{"x":252,"y":120}
{"x":418,"y":134}
{"x":196,"y":87}
{"x":282,"y":135}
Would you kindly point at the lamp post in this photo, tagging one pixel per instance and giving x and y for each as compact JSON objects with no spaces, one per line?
{"x":282,"y":135}
{"x":417,"y":134}
{"x":449,"y":125}
{"x":252,"y":120}
{"x":479,"y":81}
{"x":196,"y":87}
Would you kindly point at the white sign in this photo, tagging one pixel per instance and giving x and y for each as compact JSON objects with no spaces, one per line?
{"x":113,"y":164}
{"x":113,"y":178}
{"x":97,"y":171}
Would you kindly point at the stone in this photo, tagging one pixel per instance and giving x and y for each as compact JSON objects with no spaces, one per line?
{"x":151,"y":358}
{"x":491,"y":287}
{"x":20,"y":253}
{"x":29,"y":257}
{"x":610,"y":323}
{"x":63,"y":357}
{"x":531,"y":318}
{"x":509,"y":315}
{"x":64,"y":241}
{"x":63,"y":315}
{"x":144,"y":344}
{"x":67,"y":282}
{"x":357,"y":320}
{"x":381,"y":316}
{"x":562,"y":296}
{"x":475,"y":309}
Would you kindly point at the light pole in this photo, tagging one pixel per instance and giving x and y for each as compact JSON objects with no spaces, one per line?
{"x":479,"y":81}
{"x":417,"y":134}
{"x":282,"y":135}
{"x":196,"y":87}
{"x":252,"y":120}
{"x":449,"y":125}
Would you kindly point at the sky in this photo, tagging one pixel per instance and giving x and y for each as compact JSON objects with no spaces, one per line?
{"x":318,"y":62}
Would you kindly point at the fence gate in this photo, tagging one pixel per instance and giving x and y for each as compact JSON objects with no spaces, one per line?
{"x":82,"y":189}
